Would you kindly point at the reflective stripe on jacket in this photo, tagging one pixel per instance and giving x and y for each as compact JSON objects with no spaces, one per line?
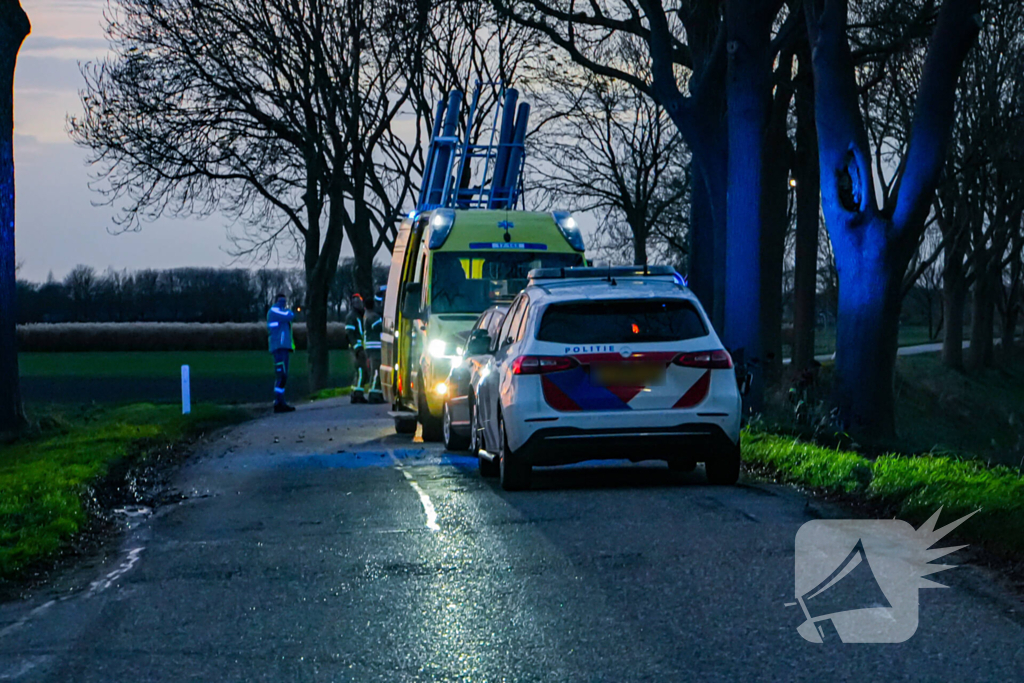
{"x":279,"y":329}
{"x":373,"y":324}
{"x":354,"y":330}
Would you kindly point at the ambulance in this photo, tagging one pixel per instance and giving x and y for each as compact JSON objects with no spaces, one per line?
{"x":447,"y":267}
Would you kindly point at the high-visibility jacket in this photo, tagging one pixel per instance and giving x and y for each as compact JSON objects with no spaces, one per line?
{"x":354,"y":330}
{"x":372,"y":325}
{"x":279,"y":329}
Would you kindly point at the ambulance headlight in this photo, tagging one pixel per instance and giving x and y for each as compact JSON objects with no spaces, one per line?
{"x":570,"y":229}
{"x":437,"y":348}
{"x":440,"y":226}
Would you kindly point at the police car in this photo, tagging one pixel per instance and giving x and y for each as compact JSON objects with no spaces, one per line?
{"x":604,"y":363}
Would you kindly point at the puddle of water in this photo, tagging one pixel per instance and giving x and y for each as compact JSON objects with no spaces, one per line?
{"x":377,"y":458}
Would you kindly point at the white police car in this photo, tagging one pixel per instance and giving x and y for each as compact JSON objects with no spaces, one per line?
{"x":604,"y":363}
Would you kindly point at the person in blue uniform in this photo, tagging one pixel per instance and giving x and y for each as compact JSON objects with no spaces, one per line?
{"x":282,"y":344}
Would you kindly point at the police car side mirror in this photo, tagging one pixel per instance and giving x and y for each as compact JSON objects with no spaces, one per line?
{"x":411,"y":304}
{"x":479,"y":345}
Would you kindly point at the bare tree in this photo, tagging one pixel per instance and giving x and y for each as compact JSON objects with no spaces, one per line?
{"x":874,"y":241}
{"x":610,"y":149}
{"x":276,"y":112}
{"x":14,"y":27}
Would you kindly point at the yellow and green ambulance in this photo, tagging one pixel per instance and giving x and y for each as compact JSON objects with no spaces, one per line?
{"x":448,"y":266}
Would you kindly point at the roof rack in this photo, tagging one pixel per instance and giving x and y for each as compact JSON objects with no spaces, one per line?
{"x":497,"y":166}
{"x":605,"y":273}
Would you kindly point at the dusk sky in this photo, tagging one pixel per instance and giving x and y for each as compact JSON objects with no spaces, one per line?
{"x":58,"y":227}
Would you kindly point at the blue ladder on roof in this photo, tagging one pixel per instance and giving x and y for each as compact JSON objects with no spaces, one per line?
{"x":449,"y":168}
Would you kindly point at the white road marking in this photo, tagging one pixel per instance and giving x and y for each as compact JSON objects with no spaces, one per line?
{"x":428,"y":505}
{"x":108,"y":581}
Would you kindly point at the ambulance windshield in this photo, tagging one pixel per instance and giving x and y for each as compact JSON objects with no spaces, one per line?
{"x":470,"y":282}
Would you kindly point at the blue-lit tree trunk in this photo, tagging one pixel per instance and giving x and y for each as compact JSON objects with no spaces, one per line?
{"x":747,"y":93}
{"x":14,"y":27}
{"x":873,"y":244}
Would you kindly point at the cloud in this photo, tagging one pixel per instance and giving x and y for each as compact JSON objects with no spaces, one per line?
{"x":47,"y":43}
{"x":35,"y":73}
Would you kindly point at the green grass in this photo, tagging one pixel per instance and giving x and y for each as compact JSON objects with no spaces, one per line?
{"x":910,"y":335}
{"x":332,"y":392}
{"x":44,"y":478}
{"x":913,"y":486}
{"x":972,"y":414}
{"x":163,"y":363}
{"x":976,"y":415}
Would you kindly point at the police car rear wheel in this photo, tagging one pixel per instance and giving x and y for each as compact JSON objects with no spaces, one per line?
{"x":514,"y":472}
{"x":452,"y":440}
{"x":723,"y":466}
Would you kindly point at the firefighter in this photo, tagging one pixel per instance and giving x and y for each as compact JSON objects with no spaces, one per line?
{"x":279,"y":330}
{"x":355,"y":331}
{"x":372,"y":325}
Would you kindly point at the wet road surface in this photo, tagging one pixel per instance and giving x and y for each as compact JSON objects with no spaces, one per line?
{"x":320,"y":546}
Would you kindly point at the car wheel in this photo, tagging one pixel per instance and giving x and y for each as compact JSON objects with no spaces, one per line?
{"x":452,"y":440}
{"x":488,"y":466}
{"x":432,"y":429}
{"x":723,"y":467}
{"x":474,"y":428}
{"x":405,"y":424}
{"x":513,"y":469}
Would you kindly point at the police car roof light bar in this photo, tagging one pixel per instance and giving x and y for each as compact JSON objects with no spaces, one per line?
{"x":602,"y":273}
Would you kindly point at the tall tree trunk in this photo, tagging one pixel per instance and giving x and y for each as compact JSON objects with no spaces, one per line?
{"x":954,"y":295}
{"x":639,"y":228}
{"x":983,"y":305}
{"x":701,"y":259}
{"x":14,"y":26}
{"x":808,"y":205}
{"x":321,"y":265}
{"x":1009,"y":327}
{"x":318,"y":350}
{"x":866,"y":343}
{"x":777,"y":160}
{"x":747,"y":92}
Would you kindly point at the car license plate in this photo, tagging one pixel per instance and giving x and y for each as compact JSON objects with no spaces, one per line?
{"x":628,"y":374}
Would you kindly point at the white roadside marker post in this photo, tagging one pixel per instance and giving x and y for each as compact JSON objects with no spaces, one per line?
{"x":186,"y":392}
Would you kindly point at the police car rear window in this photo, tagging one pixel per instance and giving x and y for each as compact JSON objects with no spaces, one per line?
{"x":620,"y":322}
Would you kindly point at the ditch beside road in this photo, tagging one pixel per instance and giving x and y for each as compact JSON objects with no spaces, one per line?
{"x":320,"y":546}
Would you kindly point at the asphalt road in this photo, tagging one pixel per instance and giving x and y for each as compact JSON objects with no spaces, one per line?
{"x":319,"y":546}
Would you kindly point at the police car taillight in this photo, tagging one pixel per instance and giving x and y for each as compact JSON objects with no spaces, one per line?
{"x":539,"y":365}
{"x":709,"y":360}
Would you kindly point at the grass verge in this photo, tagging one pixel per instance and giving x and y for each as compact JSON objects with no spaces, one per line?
{"x":330,"y":392}
{"x":912,"y":487}
{"x":45,"y":478}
